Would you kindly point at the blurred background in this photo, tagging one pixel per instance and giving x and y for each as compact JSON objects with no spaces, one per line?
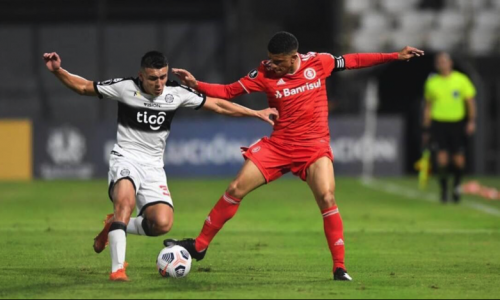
{"x":47,"y":131}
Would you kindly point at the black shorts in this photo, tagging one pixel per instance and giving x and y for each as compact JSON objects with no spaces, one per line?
{"x":450,"y":137}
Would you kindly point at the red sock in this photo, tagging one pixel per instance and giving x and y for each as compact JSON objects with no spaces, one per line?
{"x":334,"y":231}
{"x":223,"y":211}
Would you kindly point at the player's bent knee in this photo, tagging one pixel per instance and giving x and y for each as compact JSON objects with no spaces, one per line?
{"x":327,"y":200}
{"x":234,"y":190}
{"x":162,"y":227}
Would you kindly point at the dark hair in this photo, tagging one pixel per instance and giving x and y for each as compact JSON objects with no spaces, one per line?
{"x":283,"y":43}
{"x":154,"y":60}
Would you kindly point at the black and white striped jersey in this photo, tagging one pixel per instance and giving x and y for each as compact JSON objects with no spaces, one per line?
{"x":144,"y":120}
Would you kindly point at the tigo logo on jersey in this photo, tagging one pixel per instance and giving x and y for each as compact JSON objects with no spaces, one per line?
{"x":299,"y":90}
{"x":152,"y":120}
{"x":310,"y":73}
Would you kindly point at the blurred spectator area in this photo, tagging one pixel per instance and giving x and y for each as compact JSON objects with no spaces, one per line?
{"x":96,"y":53}
{"x":469,"y":27}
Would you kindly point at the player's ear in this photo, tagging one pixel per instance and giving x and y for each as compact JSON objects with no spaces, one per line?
{"x":294,"y":57}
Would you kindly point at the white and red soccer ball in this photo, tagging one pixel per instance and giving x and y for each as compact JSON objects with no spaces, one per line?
{"x":174,"y":262}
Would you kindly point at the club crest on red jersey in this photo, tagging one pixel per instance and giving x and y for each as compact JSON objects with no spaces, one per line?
{"x":310,"y":73}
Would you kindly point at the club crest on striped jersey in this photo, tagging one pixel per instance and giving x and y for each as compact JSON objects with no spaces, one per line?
{"x":169,"y":98}
{"x":125,"y":172}
{"x":310,"y":73}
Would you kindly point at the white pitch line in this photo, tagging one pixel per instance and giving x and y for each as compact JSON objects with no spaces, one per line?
{"x":398,"y":190}
{"x":350,"y":231}
{"x":426,"y":231}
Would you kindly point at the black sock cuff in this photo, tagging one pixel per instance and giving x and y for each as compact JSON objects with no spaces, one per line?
{"x":118,"y":226}
{"x":146,"y":228}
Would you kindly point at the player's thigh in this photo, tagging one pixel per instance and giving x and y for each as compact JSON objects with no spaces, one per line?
{"x":124,"y":180}
{"x":321,"y":180}
{"x":123,"y":196}
{"x":248,"y":179}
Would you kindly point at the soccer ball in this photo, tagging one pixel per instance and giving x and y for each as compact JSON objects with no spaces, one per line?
{"x":174,"y":262}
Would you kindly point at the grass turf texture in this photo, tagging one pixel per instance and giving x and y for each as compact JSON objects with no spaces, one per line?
{"x":397,"y":247}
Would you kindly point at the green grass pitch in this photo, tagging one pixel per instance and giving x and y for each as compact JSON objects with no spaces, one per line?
{"x":398,"y":245}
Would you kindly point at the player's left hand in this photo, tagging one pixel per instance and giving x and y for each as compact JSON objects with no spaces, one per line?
{"x":471,"y":128}
{"x":268,"y":115}
{"x":186,"y":77}
{"x":409,"y":52}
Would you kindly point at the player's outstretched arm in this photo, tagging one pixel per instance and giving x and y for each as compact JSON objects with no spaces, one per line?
{"x":78,"y":84}
{"x":223,"y":91}
{"x":365,"y":60}
{"x":225,"y":107}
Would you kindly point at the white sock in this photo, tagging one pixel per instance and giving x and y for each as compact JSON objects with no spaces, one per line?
{"x":117,"y":246}
{"x":135,"y":226}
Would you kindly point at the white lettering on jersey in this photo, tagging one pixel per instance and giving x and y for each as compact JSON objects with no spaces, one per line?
{"x":292,"y":92}
{"x":144,"y":120}
{"x":153,"y":120}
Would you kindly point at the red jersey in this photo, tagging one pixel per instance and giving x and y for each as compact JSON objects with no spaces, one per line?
{"x":300,"y":98}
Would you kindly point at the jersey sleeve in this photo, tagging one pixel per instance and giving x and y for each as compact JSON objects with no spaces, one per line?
{"x":331,"y":63}
{"x":223,"y":91}
{"x":109,"y":89}
{"x":253,"y":82}
{"x":191,"y":98}
{"x":469,"y":91}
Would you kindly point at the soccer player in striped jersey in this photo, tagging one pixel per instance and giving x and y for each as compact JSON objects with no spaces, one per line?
{"x":146,"y":108}
{"x":300,"y":143}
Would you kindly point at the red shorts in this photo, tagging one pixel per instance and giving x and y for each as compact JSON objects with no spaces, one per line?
{"x":274,"y":158}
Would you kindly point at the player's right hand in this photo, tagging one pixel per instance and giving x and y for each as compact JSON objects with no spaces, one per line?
{"x":186,"y":78}
{"x":409,"y":52}
{"x":52,"y":61}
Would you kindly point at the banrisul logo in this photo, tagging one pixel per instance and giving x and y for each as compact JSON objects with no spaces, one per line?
{"x":154,"y":121}
{"x":301,"y":89}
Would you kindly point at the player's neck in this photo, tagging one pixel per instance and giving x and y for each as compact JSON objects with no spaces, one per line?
{"x":295,"y":67}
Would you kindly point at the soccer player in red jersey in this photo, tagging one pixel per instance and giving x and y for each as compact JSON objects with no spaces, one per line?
{"x":300,"y":143}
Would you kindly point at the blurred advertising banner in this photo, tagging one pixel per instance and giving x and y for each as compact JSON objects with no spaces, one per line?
{"x":207,"y":147}
{"x":16,"y":150}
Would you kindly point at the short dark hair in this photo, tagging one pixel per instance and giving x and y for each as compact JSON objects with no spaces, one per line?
{"x":154,"y":60}
{"x":283,"y":43}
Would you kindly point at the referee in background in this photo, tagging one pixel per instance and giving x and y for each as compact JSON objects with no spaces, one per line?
{"x":449,"y":118}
